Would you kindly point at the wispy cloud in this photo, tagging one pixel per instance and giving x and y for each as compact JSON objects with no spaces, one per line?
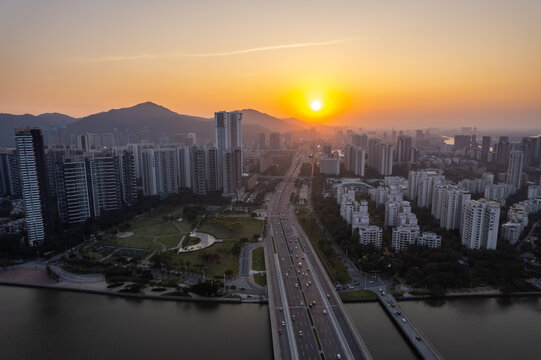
{"x":214,"y":54}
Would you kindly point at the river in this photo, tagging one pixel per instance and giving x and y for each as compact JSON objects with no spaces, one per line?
{"x":50,"y":324}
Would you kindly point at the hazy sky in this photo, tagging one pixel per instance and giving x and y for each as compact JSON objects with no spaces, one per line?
{"x":371,"y":63}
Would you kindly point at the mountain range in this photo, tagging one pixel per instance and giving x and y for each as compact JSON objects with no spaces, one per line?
{"x":155,"y":119}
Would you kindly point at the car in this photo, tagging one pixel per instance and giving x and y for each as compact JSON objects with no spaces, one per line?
{"x":418,"y":337}
{"x":310,"y":282}
{"x":283,"y":323}
{"x":404,"y":319}
{"x":287,"y":274}
{"x":338,"y":356}
{"x":293,"y":317}
{"x":302,"y":303}
{"x":296,"y":285}
{"x":300,"y":333}
{"x":281,"y":309}
{"x":324,"y":312}
{"x":328,"y":296}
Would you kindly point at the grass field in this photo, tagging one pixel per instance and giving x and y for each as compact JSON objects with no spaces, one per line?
{"x":215,"y":260}
{"x":358,"y":295}
{"x":155,"y":224}
{"x":232,"y":228}
{"x":260,"y":279}
{"x":190,"y":241}
{"x":258,"y":259}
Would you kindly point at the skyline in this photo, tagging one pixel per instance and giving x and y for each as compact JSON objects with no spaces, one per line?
{"x":371,"y":65}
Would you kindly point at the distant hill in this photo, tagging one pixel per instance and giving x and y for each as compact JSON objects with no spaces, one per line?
{"x":156,"y":119}
{"x":271,"y":123}
{"x":8,"y":122}
{"x":150,"y":117}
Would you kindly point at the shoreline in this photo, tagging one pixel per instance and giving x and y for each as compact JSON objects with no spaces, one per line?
{"x":203,"y":299}
{"x":451,"y":296}
{"x":135,"y":296}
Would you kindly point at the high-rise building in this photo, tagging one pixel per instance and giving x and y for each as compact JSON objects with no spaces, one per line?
{"x":34,"y":186}
{"x":229,"y":150}
{"x":503,"y":148}
{"x":479,"y":224}
{"x":198,"y":169}
{"x":452,"y":202}
{"x":128,"y":177}
{"x":327,"y":149}
{"x":404,"y":149}
{"x":211,"y":158}
{"x":148,"y":171}
{"x":274,"y":141}
{"x":462,"y":142}
{"x":10,"y":179}
{"x":53,"y":155}
{"x":485,"y":148}
{"x":167,"y":163}
{"x":370,"y":234}
{"x":105,"y":184}
{"x":262,"y":141}
{"x":329,"y":166}
{"x":354,"y":159}
{"x":88,"y":185}
{"x":514,"y":168}
{"x":429,"y":239}
{"x":404,"y":236}
{"x":380,"y":156}
{"x":73,"y":189}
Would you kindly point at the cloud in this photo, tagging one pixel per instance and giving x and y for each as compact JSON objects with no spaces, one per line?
{"x":215,"y":54}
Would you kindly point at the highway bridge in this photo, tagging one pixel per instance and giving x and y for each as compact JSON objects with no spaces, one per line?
{"x":308,"y":319}
{"x":418,"y":340}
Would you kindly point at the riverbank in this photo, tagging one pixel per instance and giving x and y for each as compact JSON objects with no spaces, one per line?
{"x":35,"y":276}
{"x":449,"y":297}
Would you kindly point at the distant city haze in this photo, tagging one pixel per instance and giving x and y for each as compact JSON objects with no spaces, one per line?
{"x":370,"y":64}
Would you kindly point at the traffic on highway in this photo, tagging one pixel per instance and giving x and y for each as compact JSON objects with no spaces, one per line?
{"x":310,"y":320}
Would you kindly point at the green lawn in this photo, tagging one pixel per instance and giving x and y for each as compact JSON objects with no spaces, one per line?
{"x":215,"y":259}
{"x":258,"y":259}
{"x":330,"y":259}
{"x":156,"y":223}
{"x":358,"y":295}
{"x":232,"y":228}
{"x":260,"y":279}
{"x":190,"y":241}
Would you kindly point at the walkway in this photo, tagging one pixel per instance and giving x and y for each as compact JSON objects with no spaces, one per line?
{"x":206,"y":241}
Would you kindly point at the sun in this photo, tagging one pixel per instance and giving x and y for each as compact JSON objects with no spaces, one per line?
{"x":316,"y":105}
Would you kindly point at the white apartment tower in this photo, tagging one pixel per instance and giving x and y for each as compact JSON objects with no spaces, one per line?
{"x":514,"y":168}
{"x":229,"y":150}
{"x":34,"y":186}
{"x":479,"y":225}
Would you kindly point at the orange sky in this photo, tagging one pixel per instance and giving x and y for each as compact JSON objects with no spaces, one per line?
{"x":402,"y":64}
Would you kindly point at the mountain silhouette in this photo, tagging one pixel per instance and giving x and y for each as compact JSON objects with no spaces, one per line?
{"x":154,"y":119}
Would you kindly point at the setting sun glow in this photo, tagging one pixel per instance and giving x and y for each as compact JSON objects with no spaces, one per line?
{"x":316,"y":105}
